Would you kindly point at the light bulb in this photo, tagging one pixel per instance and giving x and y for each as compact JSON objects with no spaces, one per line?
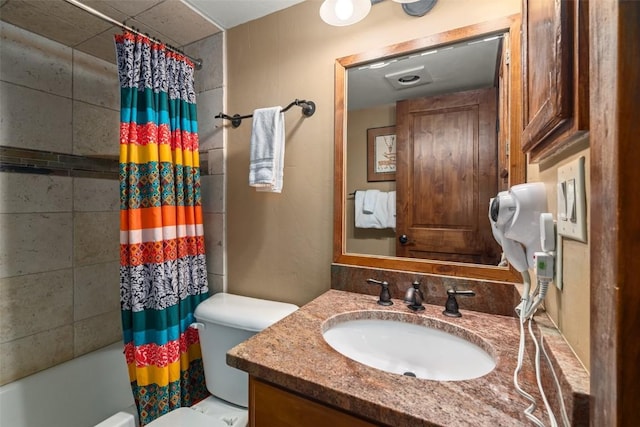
{"x":344,"y":9}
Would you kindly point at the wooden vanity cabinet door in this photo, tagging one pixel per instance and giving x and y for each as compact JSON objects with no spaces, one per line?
{"x":272,"y":406}
{"x":555,"y":65}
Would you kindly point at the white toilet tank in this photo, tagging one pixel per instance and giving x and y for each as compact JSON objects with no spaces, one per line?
{"x":225,"y":321}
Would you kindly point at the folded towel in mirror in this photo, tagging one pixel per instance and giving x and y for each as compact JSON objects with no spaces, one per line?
{"x":383,"y":212}
{"x":370,"y":199}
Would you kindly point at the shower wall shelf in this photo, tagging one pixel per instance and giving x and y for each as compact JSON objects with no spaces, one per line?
{"x":308,"y":108}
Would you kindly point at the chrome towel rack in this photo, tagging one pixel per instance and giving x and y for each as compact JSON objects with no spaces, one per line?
{"x":308,"y":108}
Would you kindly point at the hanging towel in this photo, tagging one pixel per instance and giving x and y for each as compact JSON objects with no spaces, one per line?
{"x":370,"y":198}
{"x":384,"y":211}
{"x":267,"y":150}
{"x":391,"y":210}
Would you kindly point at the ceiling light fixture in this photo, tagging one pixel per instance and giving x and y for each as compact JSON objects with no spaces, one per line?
{"x":344,"y":12}
{"x":340,"y":13}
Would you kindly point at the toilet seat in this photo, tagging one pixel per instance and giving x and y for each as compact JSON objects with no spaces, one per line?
{"x":187,"y":417}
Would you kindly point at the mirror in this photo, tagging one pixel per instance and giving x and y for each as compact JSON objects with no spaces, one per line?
{"x":353,"y":167}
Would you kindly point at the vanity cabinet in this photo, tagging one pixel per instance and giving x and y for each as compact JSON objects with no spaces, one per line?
{"x":555,"y":75}
{"x":273,"y":406}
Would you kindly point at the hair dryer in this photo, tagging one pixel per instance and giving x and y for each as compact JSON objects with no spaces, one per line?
{"x":515,"y":222}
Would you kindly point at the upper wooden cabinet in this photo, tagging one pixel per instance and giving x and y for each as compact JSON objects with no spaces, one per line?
{"x":555,"y":74}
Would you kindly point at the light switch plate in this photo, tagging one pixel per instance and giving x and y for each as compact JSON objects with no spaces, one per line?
{"x":573,"y":202}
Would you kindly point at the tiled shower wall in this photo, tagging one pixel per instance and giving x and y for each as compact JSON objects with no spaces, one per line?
{"x":209,"y":85}
{"x":59,"y":204}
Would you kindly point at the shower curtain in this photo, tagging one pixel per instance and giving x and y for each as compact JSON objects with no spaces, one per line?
{"x":163,"y":274}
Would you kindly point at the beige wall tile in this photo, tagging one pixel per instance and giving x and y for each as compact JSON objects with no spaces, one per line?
{"x":23,"y":193}
{"x":210,"y":50}
{"x":96,"y":290}
{"x":34,"y":353}
{"x":90,"y":195}
{"x":56,"y":20}
{"x":95,"y":130}
{"x":216,"y":161}
{"x":96,"y":236}
{"x":95,"y":81}
{"x":24,"y":125}
{"x":214,"y":242}
{"x":101,"y":46}
{"x":210,"y":129}
{"x":216,"y":283}
{"x":96,"y":332}
{"x":144,"y":28}
{"x":176,"y":21}
{"x":212,"y":193}
{"x":34,"y":243}
{"x":30,"y":60}
{"x":126,"y":7}
{"x":35,"y":303}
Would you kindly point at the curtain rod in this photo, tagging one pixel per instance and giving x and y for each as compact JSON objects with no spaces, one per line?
{"x":196,"y":62}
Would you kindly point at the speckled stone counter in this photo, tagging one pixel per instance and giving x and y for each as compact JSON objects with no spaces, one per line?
{"x":293,"y":354}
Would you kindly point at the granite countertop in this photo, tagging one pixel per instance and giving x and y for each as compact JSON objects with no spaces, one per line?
{"x":293,"y":354}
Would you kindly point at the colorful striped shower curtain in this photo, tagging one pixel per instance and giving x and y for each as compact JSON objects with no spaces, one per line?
{"x":163,"y":274}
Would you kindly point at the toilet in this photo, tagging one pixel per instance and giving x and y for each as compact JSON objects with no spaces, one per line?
{"x":223,"y":321}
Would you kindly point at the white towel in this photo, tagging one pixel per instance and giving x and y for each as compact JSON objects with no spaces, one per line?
{"x":370,"y":198}
{"x":267,"y":150}
{"x":384,"y":211}
{"x":391,"y":210}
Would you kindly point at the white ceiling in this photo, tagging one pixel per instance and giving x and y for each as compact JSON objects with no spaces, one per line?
{"x":229,"y":13}
{"x":454,"y":68}
{"x":175,"y":22}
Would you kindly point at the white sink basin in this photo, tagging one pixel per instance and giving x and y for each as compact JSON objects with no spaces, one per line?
{"x":408,"y":349}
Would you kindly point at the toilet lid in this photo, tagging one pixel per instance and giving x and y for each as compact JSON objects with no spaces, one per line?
{"x":240,"y":312}
{"x":186,"y":417}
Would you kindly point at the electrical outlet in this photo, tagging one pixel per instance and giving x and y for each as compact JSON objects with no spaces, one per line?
{"x":572,"y":206}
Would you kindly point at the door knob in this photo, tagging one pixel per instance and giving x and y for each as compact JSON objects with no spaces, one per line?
{"x":404,"y":239}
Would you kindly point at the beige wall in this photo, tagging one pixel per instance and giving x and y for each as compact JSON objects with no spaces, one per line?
{"x":569,"y":308}
{"x":280,"y":245}
{"x":359,"y":240}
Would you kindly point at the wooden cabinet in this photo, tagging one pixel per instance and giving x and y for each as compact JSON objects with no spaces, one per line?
{"x":555,"y":74}
{"x":273,"y":406}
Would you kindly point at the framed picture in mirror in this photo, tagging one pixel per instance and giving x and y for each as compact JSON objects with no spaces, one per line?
{"x":381,"y":154}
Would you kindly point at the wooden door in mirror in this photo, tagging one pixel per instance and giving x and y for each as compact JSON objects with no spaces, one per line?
{"x":555,"y":55}
{"x":442,"y":209}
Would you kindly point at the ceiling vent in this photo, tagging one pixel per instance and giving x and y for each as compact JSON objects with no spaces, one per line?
{"x":409,"y":78}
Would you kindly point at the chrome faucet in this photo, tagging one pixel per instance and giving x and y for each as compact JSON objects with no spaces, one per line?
{"x":451,"y":306}
{"x":414,"y":297}
{"x":385,"y":296}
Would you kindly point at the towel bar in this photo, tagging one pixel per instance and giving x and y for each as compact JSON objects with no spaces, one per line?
{"x":308,"y":108}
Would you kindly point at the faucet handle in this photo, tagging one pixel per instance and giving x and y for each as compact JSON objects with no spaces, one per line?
{"x":451,"y":306}
{"x":385,"y":295}
{"x":468,"y":293}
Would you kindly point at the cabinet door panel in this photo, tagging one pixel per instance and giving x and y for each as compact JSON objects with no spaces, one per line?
{"x":272,"y":406}
{"x":547,"y":68}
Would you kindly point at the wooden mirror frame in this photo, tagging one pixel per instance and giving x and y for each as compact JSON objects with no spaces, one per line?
{"x":517,"y":159}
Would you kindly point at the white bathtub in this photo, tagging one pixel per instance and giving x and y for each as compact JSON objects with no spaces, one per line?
{"x":80,"y":393}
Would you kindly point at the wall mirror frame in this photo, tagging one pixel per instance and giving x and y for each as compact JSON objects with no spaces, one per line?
{"x":516,"y":159}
